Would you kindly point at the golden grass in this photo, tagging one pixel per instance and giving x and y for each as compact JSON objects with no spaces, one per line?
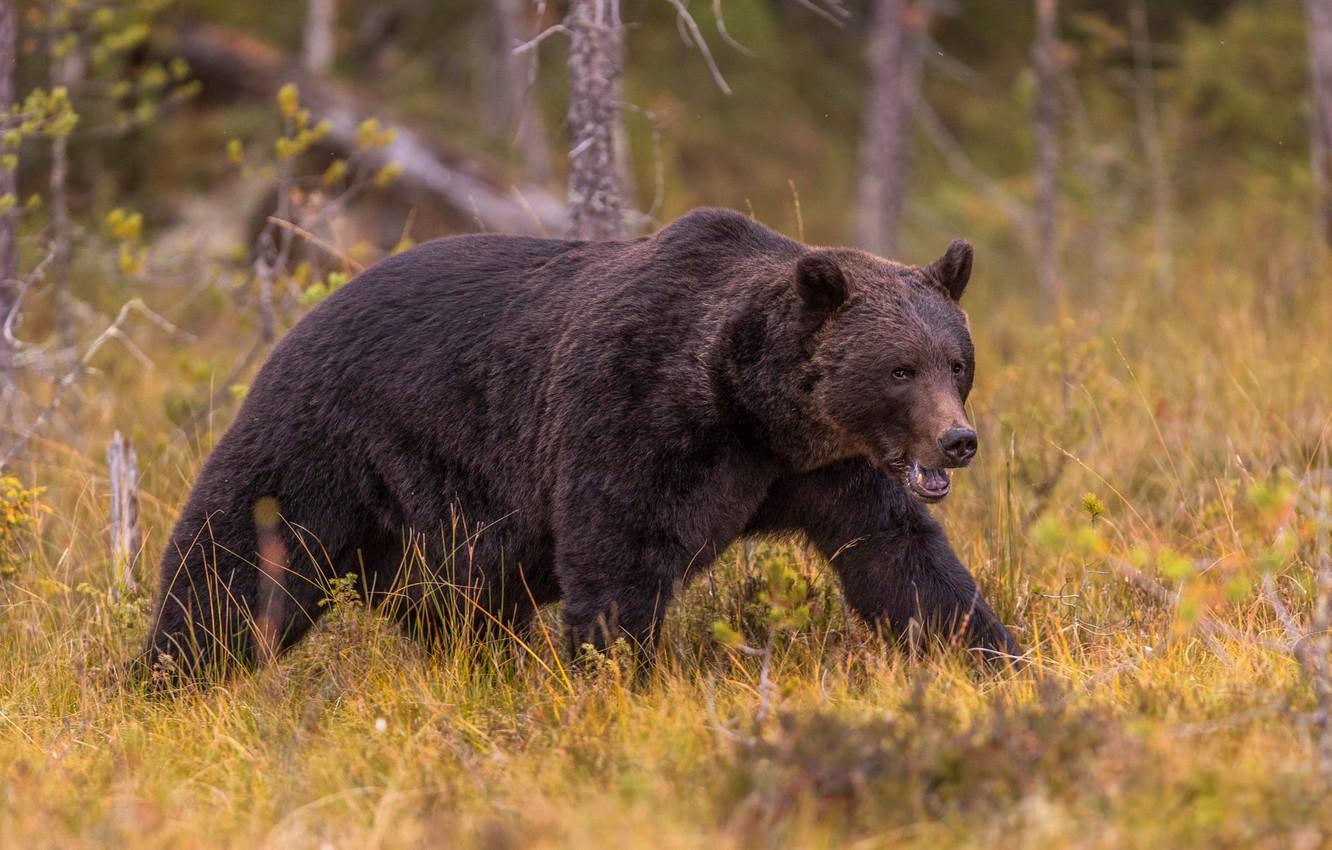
{"x":1184,"y":435}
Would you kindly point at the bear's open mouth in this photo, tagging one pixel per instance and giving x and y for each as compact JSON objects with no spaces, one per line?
{"x":928,"y":485}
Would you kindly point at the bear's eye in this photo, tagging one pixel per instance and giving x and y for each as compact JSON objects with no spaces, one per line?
{"x":958,"y":369}
{"x":901,"y":373}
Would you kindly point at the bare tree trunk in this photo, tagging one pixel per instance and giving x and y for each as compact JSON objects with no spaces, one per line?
{"x":66,"y":71}
{"x":1047,"y":155}
{"x":60,"y":237}
{"x":594,"y":71}
{"x":320,"y":44}
{"x":1318,"y":14}
{"x":895,"y":60}
{"x":1144,"y":85}
{"x":624,"y":164}
{"x":518,"y":111}
{"x":1102,"y":200}
{"x":9,"y":219}
{"x":126,"y":538}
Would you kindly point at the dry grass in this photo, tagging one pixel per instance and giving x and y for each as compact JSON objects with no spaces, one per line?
{"x":1183,"y":435}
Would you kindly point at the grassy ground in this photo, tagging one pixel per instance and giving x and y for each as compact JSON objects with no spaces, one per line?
{"x":1181,"y":435}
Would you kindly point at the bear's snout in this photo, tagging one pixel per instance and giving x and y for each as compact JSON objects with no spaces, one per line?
{"x":959,"y":445}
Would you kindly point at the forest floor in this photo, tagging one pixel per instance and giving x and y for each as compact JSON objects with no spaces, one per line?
{"x":1147,"y":466}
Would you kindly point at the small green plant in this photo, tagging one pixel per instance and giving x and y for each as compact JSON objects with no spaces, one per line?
{"x":308,"y":202}
{"x":784,"y":600}
{"x":19,"y":509}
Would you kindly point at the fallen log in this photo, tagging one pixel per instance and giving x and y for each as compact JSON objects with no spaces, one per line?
{"x":226,"y":60}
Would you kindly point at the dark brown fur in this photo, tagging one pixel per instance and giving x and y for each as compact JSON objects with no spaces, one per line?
{"x":592,"y":422}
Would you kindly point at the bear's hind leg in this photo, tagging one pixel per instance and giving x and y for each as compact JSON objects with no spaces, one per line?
{"x":218,"y":611}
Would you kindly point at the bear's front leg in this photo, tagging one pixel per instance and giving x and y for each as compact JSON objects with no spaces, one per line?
{"x":610,"y":596}
{"x":897,"y":577}
{"x":892,"y":558}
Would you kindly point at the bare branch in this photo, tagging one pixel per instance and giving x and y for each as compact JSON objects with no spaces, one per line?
{"x":951,"y":66}
{"x":833,"y":12}
{"x":962,"y":166}
{"x":29,"y":280}
{"x":350,"y":262}
{"x":683,"y":17}
{"x":725,"y":33}
{"x":112,"y":331}
{"x":534,"y":43}
{"x":1210,"y":627}
{"x":658,"y":161}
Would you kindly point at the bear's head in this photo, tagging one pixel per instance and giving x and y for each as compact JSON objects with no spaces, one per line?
{"x":893,"y":361}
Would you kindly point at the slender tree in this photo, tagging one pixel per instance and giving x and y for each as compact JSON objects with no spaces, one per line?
{"x":320,"y":44}
{"x":1318,"y":14}
{"x":894,"y":58}
{"x":1153,"y":148}
{"x":1046,"y":118}
{"x":66,"y":69}
{"x":517,"y":70}
{"x":624,"y":164}
{"x":595,"y":63}
{"x":9,"y":218}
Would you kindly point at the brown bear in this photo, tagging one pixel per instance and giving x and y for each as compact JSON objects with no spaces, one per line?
{"x":485,"y":424}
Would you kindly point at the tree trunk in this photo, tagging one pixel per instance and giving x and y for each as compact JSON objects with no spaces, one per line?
{"x":320,"y":44}
{"x":66,"y":72}
{"x":624,"y":165}
{"x":9,"y":219}
{"x":126,"y":537}
{"x":1047,"y":155}
{"x":518,"y":112}
{"x":1144,"y":86}
{"x":594,"y":110}
{"x":894,"y":59}
{"x":1318,"y":13}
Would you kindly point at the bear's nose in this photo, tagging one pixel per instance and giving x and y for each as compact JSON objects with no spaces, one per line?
{"x":959,"y":445}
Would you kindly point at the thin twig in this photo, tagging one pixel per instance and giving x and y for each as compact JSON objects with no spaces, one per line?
{"x":33,"y":277}
{"x":683,"y":17}
{"x":725,"y":33}
{"x":962,"y":166}
{"x":952,"y":67}
{"x":317,"y":242}
{"x":658,"y":162}
{"x":112,"y":331}
{"x":1210,"y":627}
{"x":535,"y":42}
{"x":835,"y":13}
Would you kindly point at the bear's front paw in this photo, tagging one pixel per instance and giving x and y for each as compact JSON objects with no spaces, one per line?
{"x":993,"y":641}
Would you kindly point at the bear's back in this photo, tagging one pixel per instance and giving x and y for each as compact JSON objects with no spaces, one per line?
{"x":451,"y":353}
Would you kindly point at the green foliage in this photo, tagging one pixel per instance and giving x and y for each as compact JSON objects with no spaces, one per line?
{"x":43,"y":113}
{"x":19,"y":508}
{"x":127,"y":232}
{"x":304,"y":198}
{"x":1246,"y":82}
{"x":317,"y":292}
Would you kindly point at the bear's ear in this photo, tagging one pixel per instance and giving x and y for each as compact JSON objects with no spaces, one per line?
{"x":820,"y":281}
{"x":953,"y":269}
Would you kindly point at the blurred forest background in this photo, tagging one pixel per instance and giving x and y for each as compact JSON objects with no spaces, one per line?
{"x":1147,"y":186}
